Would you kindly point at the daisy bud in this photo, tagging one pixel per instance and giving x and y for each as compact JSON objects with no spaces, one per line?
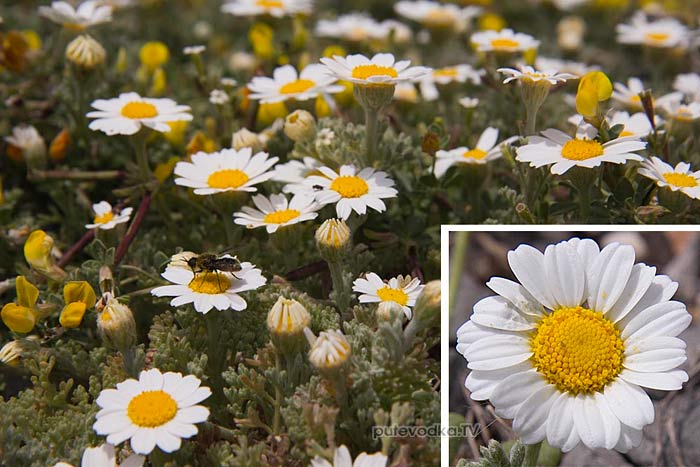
{"x":37,"y":252}
{"x":389,"y":311}
{"x":11,"y":353}
{"x":85,"y":52}
{"x":299,"y":126}
{"x":333,"y":239}
{"x":116,"y":325}
{"x":570,"y":32}
{"x":426,"y":312}
{"x":26,"y":144}
{"x":242,"y":61}
{"x":244,"y":138}
{"x":59,"y":145}
{"x":329,"y":351}
{"x":287,"y":317}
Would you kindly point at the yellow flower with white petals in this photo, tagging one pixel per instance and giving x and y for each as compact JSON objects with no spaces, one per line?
{"x":503,"y":41}
{"x":402,"y":290}
{"x":276,"y":212}
{"x":87,"y":14}
{"x":106,"y":218}
{"x":276,"y":8}
{"x":679,"y":178}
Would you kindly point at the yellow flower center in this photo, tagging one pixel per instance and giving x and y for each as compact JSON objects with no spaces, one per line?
{"x":367,"y":71}
{"x":103,"y":218}
{"x":388,"y":294}
{"x":227,"y":178}
{"x":680,"y":180}
{"x":577,"y":349}
{"x":504,"y":44}
{"x":151,"y":409}
{"x":657,"y":36}
{"x":211,"y":283}
{"x":350,"y":186}
{"x":106,"y":316}
{"x":281,"y":217}
{"x":357,"y":34}
{"x":270,"y":3}
{"x":445,"y":73}
{"x":474,"y":154}
{"x":297,"y":86}
{"x":684,"y":114}
{"x":625,"y":133}
{"x":439,"y":17}
{"x":139,"y":110}
{"x":581,"y":149}
{"x":635,"y":99}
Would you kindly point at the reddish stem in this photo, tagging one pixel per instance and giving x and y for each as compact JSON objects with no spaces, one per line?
{"x":133,"y":228}
{"x":79,"y":245}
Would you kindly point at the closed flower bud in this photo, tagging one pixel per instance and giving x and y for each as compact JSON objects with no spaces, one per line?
{"x":11,"y":353}
{"x":244,"y":138}
{"x":153,"y":55}
{"x":85,"y":52}
{"x":25,"y":143}
{"x":428,"y":303}
{"x":59,"y":145}
{"x":333,"y":239}
{"x":570,"y":32}
{"x":287,"y":317}
{"x":37,"y":252}
{"x":271,"y":111}
{"x":300,"y":125}
{"x":329,"y":351}
{"x":389,"y":311}
{"x":242,"y":61}
{"x":116,"y":325}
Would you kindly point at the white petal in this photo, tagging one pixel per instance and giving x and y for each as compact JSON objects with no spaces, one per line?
{"x":531,"y":419}
{"x":527,"y":264}
{"x":497,"y":312}
{"x":630,"y":404}
{"x":497,"y":352}
{"x":514,"y":390}
{"x":608,"y":276}
{"x":664,"y":319}
{"x":565,"y":274}
{"x":517,"y":295}
{"x":664,"y":381}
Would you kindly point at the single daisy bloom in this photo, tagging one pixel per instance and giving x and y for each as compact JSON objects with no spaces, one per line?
{"x":663,"y":33}
{"x":287,"y":84}
{"x":577,"y":69}
{"x":381,"y":69}
{"x":436,"y":15}
{"x":341,"y":458}
{"x":276,"y":8}
{"x":24,"y":141}
{"x":194,"y":49}
{"x":504,"y":40}
{"x":87,"y":14}
{"x":636,"y":125}
{"x":628,"y":95}
{"x":446,"y":75}
{"x":402,"y":290}
{"x":567,"y":350}
{"x":208,"y":289}
{"x":564,"y":152}
{"x":225,"y":170}
{"x":276,"y":211}
{"x":294,"y":173}
{"x":688,"y":84}
{"x":124,"y":115}
{"x":351,"y":190}
{"x":354,"y":27}
{"x":157,"y":410}
{"x":530,"y":75}
{"x":106,"y":218}
{"x":469,"y":102}
{"x":487,"y":149}
{"x":218,"y":97}
{"x":680,"y":178}
{"x":680,"y":111}
{"x":329,"y":351}
{"x":104,"y":456}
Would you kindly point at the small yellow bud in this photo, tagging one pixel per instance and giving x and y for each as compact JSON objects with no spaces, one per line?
{"x":427,"y":306}
{"x":333,"y":239}
{"x":153,"y":55}
{"x":389,"y":311}
{"x":85,"y":52}
{"x":72,"y":315}
{"x":492,"y":21}
{"x":33,"y":39}
{"x":593,"y":88}
{"x":176,"y":135}
{"x":18,"y":318}
{"x":160,"y":82}
{"x":300,"y":125}
{"x":332,"y":50}
{"x":329,"y":351}
{"x":261,"y":37}
{"x":268,"y":113}
{"x":116,"y":325}
{"x":200,"y":142}
{"x":122,"y":61}
{"x":322,"y":106}
{"x":59,"y":145}
{"x":287,"y":317}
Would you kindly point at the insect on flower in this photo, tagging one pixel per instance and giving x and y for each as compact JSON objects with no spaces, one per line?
{"x":209,"y":263}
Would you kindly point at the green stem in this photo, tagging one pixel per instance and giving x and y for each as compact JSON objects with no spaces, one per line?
{"x":139,"y":143}
{"x":371,"y":135}
{"x":130,"y":365}
{"x":214,"y":352}
{"x":532,"y":452}
{"x":276,"y":421}
{"x":341,"y":291}
{"x":459,"y":254}
{"x":531,"y":120}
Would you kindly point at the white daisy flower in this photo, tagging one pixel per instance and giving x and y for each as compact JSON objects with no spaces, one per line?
{"x":87,"y":14}
{"x":402,"y":290}
{"x":225,"y":170}
{"x":487,"y":149}
{"x":341,"y":458}
{"x":529,"y":74}
{"x":688,"y":84}
{"x":437,"y":15}
{"x":469,"y":102}
{"x":577,"y":69}
{"x":229,"y":82}
{"x":628,"y":95}
{"x":567,"y":351}
{"x":194,"y":49}
{"x":680,"y":178}
{"x":680,"y":111}
{"x":104,"y":456}
{"x":352,"y":190}
{"x":287,"y":84}
{"x":158,"y":409}
{"x":207,"y":290}
{"x":380,"y":69}
{"x":446,"y":75}
{"x":276,"y":8}
{"x":664,"y":32}
{"x":276,"y":211}
{"x":294,"y":172}
{"x":329,"y":351}
{"x":27,"y":139}
{"x":218,"y":97}
{"x":504,"y":40}
{"x":124,"y":115}
{"x":106,"y":218}
{"x":637,"y":125}
{"x":355,"y":27}
{"x":564,"y":152}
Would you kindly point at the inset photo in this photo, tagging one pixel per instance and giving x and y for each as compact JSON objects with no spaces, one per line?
{"x":573,"y":347}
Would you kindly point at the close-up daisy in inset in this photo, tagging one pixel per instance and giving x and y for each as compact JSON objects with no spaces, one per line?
{"x":351,"y":190}
{"x":106,"y":218}
{"x":225,"y":170}
{"x":679,"y":178}
{"x":157,"y":410}
{"x":276,"y":8}
{"x":436,"y":15}
{"x":342,"y":458}
{"x":381,"y":69}
{"x":276,"y":211}
{"x":505,"y":41}
{"x":124,"y":115}
{"x":402,"y":290}
{"x":567,"y":350}
{"x":663,"y":32}
{"x":486,"y":149}
{"x":294,"y":172}
{"x":563,"y":152}
{"x":87,"y":14}
{"x":446,"y":75}
{"x":528,"y":74}
{"x":287,"y":84}
{"x":208,"y":289}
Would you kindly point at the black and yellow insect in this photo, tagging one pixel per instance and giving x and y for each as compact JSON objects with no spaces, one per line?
{"x":208,"y":263}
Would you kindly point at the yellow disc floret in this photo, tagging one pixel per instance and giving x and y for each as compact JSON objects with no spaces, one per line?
{"x":367,"y":71}
{"x":151,"y":409}
{"x":269,"y":3}
{"x":387,"y":294}
{"x":280,"y":217}
{"x":504,"y":44}
{"x":138,"y":109}
{"x":577,"y":349}
{"x":680,"y":180}
{"x":350,"y":186}
{"x":227,"y":178}
{"x":474,"y":154}
{"x":581,"y":149}
{"x":104,"y":218}
{"x":297,"y":86}
{"x":209,"y":283}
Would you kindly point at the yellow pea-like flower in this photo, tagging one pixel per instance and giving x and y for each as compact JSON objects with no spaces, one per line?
{"x":261,"y":37}
{"x":37,"y":250}
{"x":72,"y":315}
{"x":18,"y":318}
{"x":79,"y":291}
{"x":27,"y":293}
{"x":594,"y":87}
